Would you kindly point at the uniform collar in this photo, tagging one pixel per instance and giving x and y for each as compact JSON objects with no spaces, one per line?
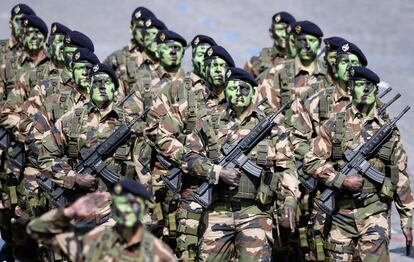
{"x":162,"y":73}
{"x":372,"y":117}
{"x":37,"y":59}
{"x":66,"y":76}
{"x":315,"y":68}
{"x":13,"y":43}
{"x":249,"y":112}
{"x":341,"y":94}
{"x":104,"y":113}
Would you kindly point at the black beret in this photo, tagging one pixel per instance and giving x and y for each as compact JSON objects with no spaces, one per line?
{"x":22,"y":9}
{"x":78,"y":39}
{"x":103,"y":68}
{"x":154,"y":22}
{"x":219,"y":51}
{"x":360,"y":72}
{"x":307,"y":27}
{"x":84,"y":55}
{"x":283,"y":17}
{"x":333,"y":43}
{"x":141,"y":14}
{"x":59,"y":29}
{"x":132,"y":187}
{"x":234,"y":73}
{"x":36,"y":22}
{"x":349,"y":47}
{"x":167,"y":35}
{"x":202,"y":39}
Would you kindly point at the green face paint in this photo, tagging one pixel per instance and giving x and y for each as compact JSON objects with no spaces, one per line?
{"x":16,"y":27}
{"x":330,"y":59}
{"x":33,"y":39}
{"x":345,"y":61}
{"x":128,"y":211}
{"x":198,"y":59}
{"x":239,"y":94}
{"x":363,"y":92}
{"x":102,"y":90}
{"x":279,"y":34}
{"x":307,"y":47}
{"x":137,"y":34}
{"x":56,"y":48}
{"x":170,"y":54}
{"x":292,"y":46}
{"x":149,"y":39}
{"x":215,"y":71}
{"x":80,"y":74}
{"x":68,"y":54}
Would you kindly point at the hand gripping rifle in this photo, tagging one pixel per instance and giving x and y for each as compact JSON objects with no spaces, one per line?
{"x":235,"y":155}
{"x":357,"y":162}
{"x":310,"y":183}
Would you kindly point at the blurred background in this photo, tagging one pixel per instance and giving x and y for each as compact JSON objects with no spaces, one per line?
{"x":382,"y":29}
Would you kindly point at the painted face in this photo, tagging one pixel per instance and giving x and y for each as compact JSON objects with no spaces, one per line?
{"x":128,"y":211}
{"x":344,"y":63}
{"x":239,"y":94}
{"x":80,"y":74}
{"x":33,"y":39}
{"x":68,"y":54}
{"x":279,"y":33}
{"x":170,"y":54}
{"x":198,"y":58}
{"x":292,"y":46}
{"x":363,"y":92}
{"x":102,"y":90}
{"x":16,"y":27}
{"x":56,"y":48}
{"x":330,"y":59}
{"x":149,"y":39}
{"x":307,"y":47}
{"x":215,"y":71}
{"x":137,"y":33}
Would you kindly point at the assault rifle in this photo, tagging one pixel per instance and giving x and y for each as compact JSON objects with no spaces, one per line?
{"x":235,"y":155}
{"x":357,"y":162}
{"x":310,"y":183}
{"x":93,"y":161}
{"x":386,"y":91}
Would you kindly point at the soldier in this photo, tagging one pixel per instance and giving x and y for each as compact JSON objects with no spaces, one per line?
{"x":304,"y":75}
{"x":269,"y":57}
{"x":178,"y":107}
{"x":331,"y":45}
{"x":238,"y":225}
{"x":361,"y":223}
{"x":127,"y":240}
{"x":199,"y":45}
{"x":133,"y":53}
{"x":34,"y":55}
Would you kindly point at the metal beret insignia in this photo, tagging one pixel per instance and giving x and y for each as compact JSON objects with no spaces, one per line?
{"x":118,"y":189}
{"x":26,"y":22}
{"x":67,"y":39}
{"x":95,"y":68}
{"x":328,"y":46}
{"x":210,"y":51}
{"x":53,"y":28}
{"x":141,"y":23}
{"x":148,"y":23}
{"x":298,"y":29}
{"x":77,"y":55}
{"x":162,"y":37}
{"x":278,"y":18}
{"x":352,"y":72}
{"x":289,"y":29}
{"x":228,"y":73}
{"x":345,"y":47}
{"x":17,"y":10}
{"x":138,"y":14}
{"x":196,"y":41}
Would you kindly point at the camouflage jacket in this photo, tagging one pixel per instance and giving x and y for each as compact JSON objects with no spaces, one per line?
{"x":274,"y":154}
{"x":326,"y":156}
{"x":102,"y":243}
{"x":267,"y":58}
{"x":9,"y":51}
{"x":125,"y":59}
{"x":84,"y":127}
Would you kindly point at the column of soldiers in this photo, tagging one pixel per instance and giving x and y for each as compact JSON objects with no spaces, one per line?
{"x":292,"y":158}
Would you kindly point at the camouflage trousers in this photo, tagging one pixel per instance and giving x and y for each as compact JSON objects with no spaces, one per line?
{"x":238,"y":230}
{"x":188,"y":218}
{"x":360,"y":230}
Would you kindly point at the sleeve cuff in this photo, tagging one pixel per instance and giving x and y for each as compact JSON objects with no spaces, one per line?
{"x":213,"y":178}
{"x":338,"y":180}
{"x":69,"y":180}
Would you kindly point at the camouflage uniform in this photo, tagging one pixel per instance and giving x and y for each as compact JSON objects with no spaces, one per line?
{"x":103,"y":243}
{"x":238,"y":224}
{"x":267,"y":58}
{"x":178,"y":107}
{"x":9,"y":51}
{"x":121,"y":60}
{"x":361,"y":224}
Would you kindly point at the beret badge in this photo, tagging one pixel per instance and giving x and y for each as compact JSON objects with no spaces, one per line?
{"x":67,"y":39}
{"x":77,"y":56}
{"x":298,"y":29}
{"x":228,"y":73}
{"x":345,"y":47}
{"x":352,"y":72}
{"x":118,"y":189}
{"x":138,"y":14}
{"x":95,"y":68}
{"x":210,"y":52}
{"x":17,"y":9}
{"x":278,"y":18}
{"x":196,"y":41}
{"x":53,"y":28}
{"x":162,"y":37}
{"x":148,"y":23}
{"x":26,"y":22}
